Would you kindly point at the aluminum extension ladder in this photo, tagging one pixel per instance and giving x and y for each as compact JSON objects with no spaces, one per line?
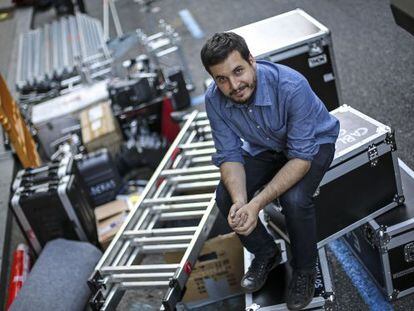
{"x":182,"y":188}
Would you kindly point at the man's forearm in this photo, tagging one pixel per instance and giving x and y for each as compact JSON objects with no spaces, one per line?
{"x":234,"y":178}
{"x":288,"y":175}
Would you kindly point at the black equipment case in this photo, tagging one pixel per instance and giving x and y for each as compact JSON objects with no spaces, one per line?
{"x":385,"y":245}
{"x":272,"y":296}
{"x":49,"y":173}
{"x":362,"y":182}
{"x":100,"y":175}
{"x":57,"y":209}
{"x":297,"y":40}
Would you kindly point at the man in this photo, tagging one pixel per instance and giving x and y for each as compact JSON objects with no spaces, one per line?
{"x":273,"y":135}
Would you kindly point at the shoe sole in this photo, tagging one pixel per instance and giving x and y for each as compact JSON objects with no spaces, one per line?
{"x":304,"y":305}
{"x":250,"y":291}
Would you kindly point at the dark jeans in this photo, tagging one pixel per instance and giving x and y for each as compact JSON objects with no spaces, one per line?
{"x":297,"y":202}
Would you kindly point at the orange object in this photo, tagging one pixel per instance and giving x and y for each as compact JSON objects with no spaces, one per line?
{"x":16,"y":128}
{"x":19,"y":272}
{"x":169,"y":129}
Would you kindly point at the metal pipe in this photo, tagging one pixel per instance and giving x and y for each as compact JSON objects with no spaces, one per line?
{"x":115,"y":18}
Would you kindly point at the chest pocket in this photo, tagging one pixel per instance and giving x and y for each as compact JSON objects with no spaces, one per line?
{"x":275,"y":126}
{"x":279,"y":133}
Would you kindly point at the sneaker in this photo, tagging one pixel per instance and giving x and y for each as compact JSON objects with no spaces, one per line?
{"x":301,"y":289}
{"x":256,"y":275}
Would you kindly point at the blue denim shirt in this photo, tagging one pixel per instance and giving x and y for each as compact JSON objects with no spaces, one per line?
{"x":285,"y":115}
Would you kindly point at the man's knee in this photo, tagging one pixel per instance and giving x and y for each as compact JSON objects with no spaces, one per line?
{"x":296,"y":203}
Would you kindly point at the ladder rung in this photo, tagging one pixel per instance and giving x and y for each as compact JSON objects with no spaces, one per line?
{"x":190,"y":170}
{"x":162,"y":240}
{"x":164,"y":248}
{"x":199,"y":123}
{"x":130,"y":277}
{"x":180,"y":207}
{"x":199,"y":152}
{"x":197,"y":185}
{"x":196,"y":177}
{"x":181,"y":215}
{"x":160,"y":232}
{"x":202,"y":144}
{"x":140,"y":285}
{"x":182,"y":198}
{"x":140,"y":268}
{"x":198,"y":160}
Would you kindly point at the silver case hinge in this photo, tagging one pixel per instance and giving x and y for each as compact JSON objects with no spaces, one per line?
{"x":390,"y":140}
{"x":382,"y":239}
{"x":394,"y":295}
{"x":399,"y":199}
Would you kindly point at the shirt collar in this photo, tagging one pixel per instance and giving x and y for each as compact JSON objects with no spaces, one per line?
{"x":261,"y":95}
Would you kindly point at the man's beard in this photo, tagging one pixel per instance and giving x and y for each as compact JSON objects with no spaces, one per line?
{"x":251,"y":86}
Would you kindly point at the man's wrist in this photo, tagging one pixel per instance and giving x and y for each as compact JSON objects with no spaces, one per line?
{"x":256,"y":205}
{"x":243,"y":202}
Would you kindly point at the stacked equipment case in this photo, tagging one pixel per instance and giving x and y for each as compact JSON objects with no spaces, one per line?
{"x":100,"y":175}
{"x":297,"y":40}
{"x":51,"y":202}
{"x":385,"y":245}
{"x":362,"y":182}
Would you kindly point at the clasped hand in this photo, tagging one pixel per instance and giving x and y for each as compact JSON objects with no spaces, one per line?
{"x":242,"y":217}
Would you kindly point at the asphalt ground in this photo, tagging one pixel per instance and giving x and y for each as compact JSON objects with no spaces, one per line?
{"x":375,"y":64}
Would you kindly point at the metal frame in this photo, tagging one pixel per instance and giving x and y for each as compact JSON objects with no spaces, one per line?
{"x":179,"y":189}
{"x":317,"y":302}
{"x":67,"y":205}
{"x":24,"y":223}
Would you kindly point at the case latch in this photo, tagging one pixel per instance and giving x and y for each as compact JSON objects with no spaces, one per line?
{"x":409,"y":252}
{"x":378,"y":239}
{"x":315,"y":48}
{"x":373,"y":155}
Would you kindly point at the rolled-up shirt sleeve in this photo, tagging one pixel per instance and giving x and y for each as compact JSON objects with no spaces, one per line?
{"x":301,"y":141}
{"x":227,"y":143}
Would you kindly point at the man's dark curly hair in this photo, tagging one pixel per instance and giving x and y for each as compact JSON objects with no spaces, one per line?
{"x":220,"y":45}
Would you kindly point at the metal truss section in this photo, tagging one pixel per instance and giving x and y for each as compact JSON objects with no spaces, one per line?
{"x":61,"y":55}
{"x":175,"y":213}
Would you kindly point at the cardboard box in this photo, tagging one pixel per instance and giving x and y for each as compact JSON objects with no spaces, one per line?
{"x":100,"y":129}
{"x":217,"y":272}
{"x":109,"y":218}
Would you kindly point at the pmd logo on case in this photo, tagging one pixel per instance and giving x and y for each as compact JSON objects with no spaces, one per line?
{"x":317,"y":60}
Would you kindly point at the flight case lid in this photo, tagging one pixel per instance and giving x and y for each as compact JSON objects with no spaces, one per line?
{"x":357,"y":132}
{"x":281,"y":32}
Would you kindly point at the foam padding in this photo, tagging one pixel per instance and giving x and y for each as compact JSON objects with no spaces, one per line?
{"x":58,"y":278}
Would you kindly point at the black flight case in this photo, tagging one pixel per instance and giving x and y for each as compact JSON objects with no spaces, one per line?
{"x":297,"y":40}
{"x":100,"y":175}
{"x":385,"y":245}
{"x":58,"y":208}
{"x":362,"y":182}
